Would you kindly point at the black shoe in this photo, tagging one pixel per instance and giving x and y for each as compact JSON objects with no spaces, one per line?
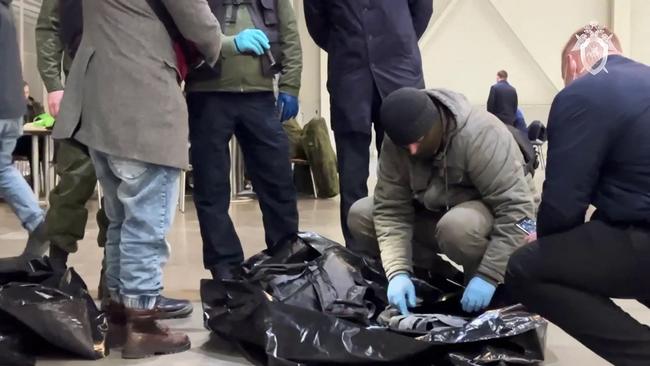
{"x":226,"y":273}
{"x":173,"y":309}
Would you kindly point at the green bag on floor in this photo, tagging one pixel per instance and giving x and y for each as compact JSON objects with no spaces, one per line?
{"x":321,"y":157}
{"x":294,"y":132}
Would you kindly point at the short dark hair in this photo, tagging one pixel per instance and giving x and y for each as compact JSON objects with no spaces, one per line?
{"x":574,"y":40}
{"x":503,"y":74}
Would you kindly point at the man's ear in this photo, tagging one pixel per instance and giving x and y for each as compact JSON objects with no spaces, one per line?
{"x":571,"y":71}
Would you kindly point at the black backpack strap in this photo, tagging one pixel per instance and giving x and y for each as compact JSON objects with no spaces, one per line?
{"x":526,"y":148}
{"x":163,"y":15}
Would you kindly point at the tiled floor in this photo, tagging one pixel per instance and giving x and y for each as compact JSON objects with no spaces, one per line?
{"x":185,"y":269}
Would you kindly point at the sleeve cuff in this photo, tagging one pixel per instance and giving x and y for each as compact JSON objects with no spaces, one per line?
{"x":390,"y":274}
{"x":52,"y":86}
{"x":228,"y":47}
{"x":490,"y":275}
{"x":292,"y":90}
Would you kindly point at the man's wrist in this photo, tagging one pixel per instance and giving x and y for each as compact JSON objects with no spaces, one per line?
{"x":395,"y":274}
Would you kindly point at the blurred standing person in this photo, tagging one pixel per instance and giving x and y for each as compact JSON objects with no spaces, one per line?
{"x":34,"y":109}
{"x":503,"y":101}
{"x":373,"y":50}
{"x":13,"y":188}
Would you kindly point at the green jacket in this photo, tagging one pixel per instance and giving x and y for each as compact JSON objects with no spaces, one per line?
{"x":51,"y":56}
{"x":243,"y":73}
{"x":480,"y":161}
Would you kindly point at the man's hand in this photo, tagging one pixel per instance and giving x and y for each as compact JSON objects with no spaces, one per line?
{"x":54,"y":102}
{"x":478,"y":295}
{"x":401,"y":293}
{"x":288,"y":106}
{"x":531,"y":238}
{"x":252,"y":41}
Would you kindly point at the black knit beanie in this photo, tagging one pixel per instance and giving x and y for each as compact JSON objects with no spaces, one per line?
{"x":407,"y":115}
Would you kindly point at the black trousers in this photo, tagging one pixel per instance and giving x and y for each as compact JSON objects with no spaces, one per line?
{"x":253,"y":118}
{"x":353,"y":157}
{"x":570,"y":278}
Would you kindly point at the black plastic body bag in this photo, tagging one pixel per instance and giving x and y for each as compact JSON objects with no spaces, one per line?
{"x":310,"y":301}
{"x":42,"y":311}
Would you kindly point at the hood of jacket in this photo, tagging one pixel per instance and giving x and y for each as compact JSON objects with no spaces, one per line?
{"x":456,"y":103}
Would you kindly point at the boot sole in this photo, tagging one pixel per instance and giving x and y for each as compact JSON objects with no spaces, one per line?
{"x":139,"y":355}
{"x":178,"y":314}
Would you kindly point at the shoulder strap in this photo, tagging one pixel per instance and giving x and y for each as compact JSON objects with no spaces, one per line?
{"x":163,"y":14}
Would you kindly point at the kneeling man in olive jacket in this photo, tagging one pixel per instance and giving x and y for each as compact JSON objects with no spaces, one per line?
{"x":451,"y":180}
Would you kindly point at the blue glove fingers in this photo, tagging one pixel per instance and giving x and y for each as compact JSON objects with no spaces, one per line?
{"x":401,"y":289}
{"x":401,"y":305}
{"x":262,"y":39}
{"x":256,"y":47}
{"x":478,"y":295}
{"x":485,"y":303}
{"x":465,"y":303}
{"x":410,"y":296}
{"x":290,"y":111}
{"x":476,"y":305}
{"x":252,"y":40}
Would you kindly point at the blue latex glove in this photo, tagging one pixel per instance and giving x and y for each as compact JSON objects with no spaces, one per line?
{"x":401,"y":293}
{"x":478,"y":295}
{"x":288,"y":106}
{"x":252,"y":40}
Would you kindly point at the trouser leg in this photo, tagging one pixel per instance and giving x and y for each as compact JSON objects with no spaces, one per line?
{"x":212,"y":124}
{"x":67,"y":216}
{"x":266,"y":153}
{"x":148,"y":194}
{"x":570,"y":278}
{"x":115,"y":217}
{"x":353,"y":156}
{"x":13,"y":187}
{"x":362,"y":228}
{"x":463,"y":234}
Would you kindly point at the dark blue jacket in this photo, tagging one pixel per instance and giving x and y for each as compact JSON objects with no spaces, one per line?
{"x":520,"y":122}
{"x":599,"y":150}
{"x":503,"y":102}
{"x":371,"y":44}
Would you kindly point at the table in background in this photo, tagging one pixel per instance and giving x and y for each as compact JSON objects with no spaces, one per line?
{"x":35,"y":132}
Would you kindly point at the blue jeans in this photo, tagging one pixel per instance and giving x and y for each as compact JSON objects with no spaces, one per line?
{"x":13,"y":186}
{"x":140,"y":202}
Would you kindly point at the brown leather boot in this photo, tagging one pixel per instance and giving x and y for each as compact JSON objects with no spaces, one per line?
{"x":145,"y":337}
{"x":116,"y":336}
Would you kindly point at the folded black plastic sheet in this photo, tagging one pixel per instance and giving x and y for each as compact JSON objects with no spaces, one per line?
{"x":42,"y":309}
{"x":13,"y":343}
{"x":318,"y":274}
{"x":284,"y":312}
{"x":509,"y":335}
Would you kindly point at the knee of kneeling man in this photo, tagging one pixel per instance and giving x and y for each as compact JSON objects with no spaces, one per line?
{"x":452,"y":232}
{"x":360,"y":216}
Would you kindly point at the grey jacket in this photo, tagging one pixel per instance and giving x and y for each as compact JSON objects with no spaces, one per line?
{"x":12,"y":99}
{"x":480,"y":160}
{"x":123,"y":96}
